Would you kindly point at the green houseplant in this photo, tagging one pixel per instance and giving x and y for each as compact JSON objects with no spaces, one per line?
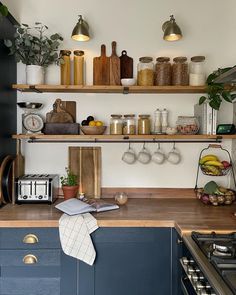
{"x":217,"y":92}
{"x":69,"y":184}
{"x":35,"y":49}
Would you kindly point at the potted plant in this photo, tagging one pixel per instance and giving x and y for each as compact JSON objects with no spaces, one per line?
{"x":69,"y":184}
{"x":34,"y":49}
{"x":217,"y":92}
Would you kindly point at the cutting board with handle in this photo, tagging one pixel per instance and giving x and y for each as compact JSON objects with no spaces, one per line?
{"x":101,"y":68}
{"x":85,"y":162}
{"x":126,"y":65}
{"x":58,"y":114}
{"x":114,"y":66}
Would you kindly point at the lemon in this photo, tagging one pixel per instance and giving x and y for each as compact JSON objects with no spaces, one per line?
{"x":99,"y":123}
{"x":92,"y":123}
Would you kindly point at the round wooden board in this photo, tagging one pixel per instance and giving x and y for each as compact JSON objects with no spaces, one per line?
{"x":6,"y":179}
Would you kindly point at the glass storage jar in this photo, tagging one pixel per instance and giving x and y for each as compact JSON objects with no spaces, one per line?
{"x":187,"y":125}
{"x":129,"y":124}
{"x":180,"y":71}
{"x":78,"y":67}
{"x":144,"y":125}
{"x":116,"y":125}
{"x":197,"y":75}
{"x":163,"y":71}
{"x":65,"y":67}
{"x":145,"y":71}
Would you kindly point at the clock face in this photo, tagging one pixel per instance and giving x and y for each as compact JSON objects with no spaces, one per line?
{"x":33,"y":122}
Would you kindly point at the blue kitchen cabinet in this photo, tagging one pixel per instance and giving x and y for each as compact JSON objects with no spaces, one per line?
{"x":177,"y":253}
{"x":130,"y":261}
{"x":39,"y":268}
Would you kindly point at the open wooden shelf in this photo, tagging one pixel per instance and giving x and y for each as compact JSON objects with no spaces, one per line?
{"x":121,"y":138}
{"x":109,"y":89}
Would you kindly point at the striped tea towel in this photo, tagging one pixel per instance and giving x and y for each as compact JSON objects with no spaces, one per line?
{"x":75,"y":236}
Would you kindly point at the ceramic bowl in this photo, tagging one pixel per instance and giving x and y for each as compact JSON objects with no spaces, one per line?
{"x":93,"y":130}
{"x":171,"y":130}
{"x":128,"y":82}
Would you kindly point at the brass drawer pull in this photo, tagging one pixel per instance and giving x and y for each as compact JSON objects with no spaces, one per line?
{"x":30,"y":259}
{"x":30,"y":239}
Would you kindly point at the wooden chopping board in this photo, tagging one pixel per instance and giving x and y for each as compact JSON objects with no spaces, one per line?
{"x":70,"y":107}
{"x":85,"y":162}
{"x":126,"y":65}
{"x":101,"y":68}
{"x":58,"y":114}
{"x":114,"y":66}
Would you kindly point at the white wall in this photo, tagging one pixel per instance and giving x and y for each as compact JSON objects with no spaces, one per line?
{"x":208,"y":28}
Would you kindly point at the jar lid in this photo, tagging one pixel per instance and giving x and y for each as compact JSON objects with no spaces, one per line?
{"x":198,"y":58}
{"x":65,"y":52}
{"x":163,"y":59}
{"x":144,"y":116}
{"x":116,"y":116}
{"x":180,"y":59}
{"x":129,"y":115}
{"x":78,"y":52}
{"x":146,"y":59}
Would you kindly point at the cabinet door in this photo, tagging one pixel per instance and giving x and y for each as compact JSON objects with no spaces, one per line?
{"x":130,"y":261}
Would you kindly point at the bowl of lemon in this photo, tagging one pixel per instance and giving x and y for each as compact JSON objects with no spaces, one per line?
{"x":92,"y":127}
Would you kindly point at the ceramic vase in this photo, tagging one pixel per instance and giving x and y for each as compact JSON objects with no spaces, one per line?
{"x":34,"y":75}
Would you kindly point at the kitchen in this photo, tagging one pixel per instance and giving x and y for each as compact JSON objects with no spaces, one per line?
{"x":136,"y":27}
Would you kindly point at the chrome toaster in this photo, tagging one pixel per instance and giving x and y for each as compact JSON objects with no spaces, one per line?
{"x":36,"y":188}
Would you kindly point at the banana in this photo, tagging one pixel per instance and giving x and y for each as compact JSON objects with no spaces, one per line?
{"x":214,"y":163}
{"x":212,"y":170}
{"x":208,"y":158}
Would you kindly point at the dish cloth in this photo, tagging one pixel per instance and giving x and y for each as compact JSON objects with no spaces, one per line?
{"x":75,"y":236}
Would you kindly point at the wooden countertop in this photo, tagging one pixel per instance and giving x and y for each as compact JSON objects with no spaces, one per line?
{"x":185,"y":215}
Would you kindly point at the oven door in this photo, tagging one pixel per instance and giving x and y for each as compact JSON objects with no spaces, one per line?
{"x":187,"y":287}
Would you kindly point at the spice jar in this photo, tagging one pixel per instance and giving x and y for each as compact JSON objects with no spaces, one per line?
{"x":78,"y":67}
{"x":163,"y":71}
{"x":65,"y":67}
{"x":145,"y":71}
{"x":180,"y":71}
{"x":144,"y":124}
{"x":129,"y":125}
{"x":116,"y":125}
{"x":197,"y":75}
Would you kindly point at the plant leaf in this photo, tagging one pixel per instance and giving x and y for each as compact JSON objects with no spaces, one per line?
{"x":227,"y":96}
{"x":215,"y":104}
{"x":3,"y":10}
{"x":8,"y":42}
{"x":202,"y":99}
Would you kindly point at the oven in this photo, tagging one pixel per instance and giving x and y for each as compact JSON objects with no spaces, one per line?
{"x":209,"y":264}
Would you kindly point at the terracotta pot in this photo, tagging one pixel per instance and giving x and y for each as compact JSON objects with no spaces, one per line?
{"x":70,"y":191}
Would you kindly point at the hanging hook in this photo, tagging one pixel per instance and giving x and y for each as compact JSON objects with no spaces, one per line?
{"x":129,"y":145}
{"x":159,"y":145}
{"x":174,"y":145}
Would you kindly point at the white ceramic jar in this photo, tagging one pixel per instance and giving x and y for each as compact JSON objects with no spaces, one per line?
{"x":197,"y":75}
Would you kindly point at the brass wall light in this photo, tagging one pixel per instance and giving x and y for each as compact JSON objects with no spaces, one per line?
{"x":81,"y":30}
{"x":171,"y":30}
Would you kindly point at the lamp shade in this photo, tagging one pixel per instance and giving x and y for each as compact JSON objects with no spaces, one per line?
{"x":81,"y":30}
{"x":171,"y":30}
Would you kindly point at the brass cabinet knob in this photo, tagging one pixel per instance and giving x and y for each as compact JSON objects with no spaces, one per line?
{"x":30,"y":259}
{"x":30,"y":239}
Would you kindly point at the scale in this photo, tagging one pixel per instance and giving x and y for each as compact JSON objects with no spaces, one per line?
{"x":32,"y":122}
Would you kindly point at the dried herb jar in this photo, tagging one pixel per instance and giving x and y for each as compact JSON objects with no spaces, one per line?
{"x":163,"y":71}
{"x":180,"y":71}
{"x":116,"y":125}
{"x":144,"y":125}
{"x":146,"y":71}
{"x":129,"y":124}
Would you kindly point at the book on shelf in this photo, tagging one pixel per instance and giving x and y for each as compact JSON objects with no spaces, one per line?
{"x":207,"y":117}
{"x":75,"y":206}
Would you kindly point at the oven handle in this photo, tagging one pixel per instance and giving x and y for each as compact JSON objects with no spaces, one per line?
{"x":184,"y":288}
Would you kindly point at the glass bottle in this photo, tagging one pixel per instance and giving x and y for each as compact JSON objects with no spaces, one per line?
{"x":78,"y":67}
{"x":180,"y":71}
{"x":197,"y":75}
{"x":145,"y":71}
{"x":116,"y":125}
{"x":129,"y":125}
{"x":163,"y":71}
{"x":65,"y":67}
{"x":144,"y":125}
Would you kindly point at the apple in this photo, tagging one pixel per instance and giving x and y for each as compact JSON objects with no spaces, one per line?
{"x":226,"y":164}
